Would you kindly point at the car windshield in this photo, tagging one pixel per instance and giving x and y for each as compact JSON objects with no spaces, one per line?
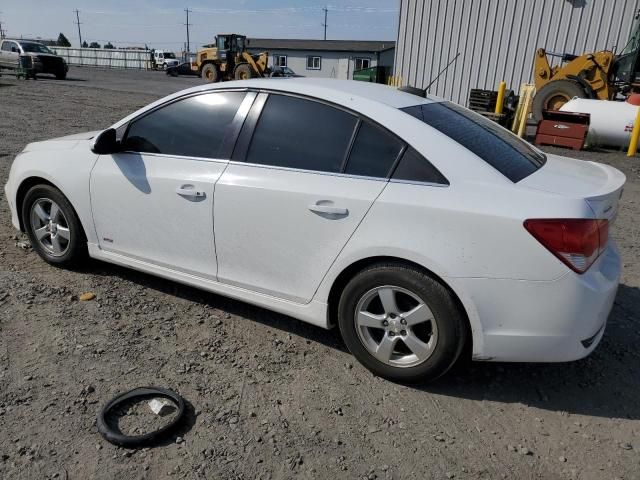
{"x":34,"y":47}
{"x":510,"y":155}
{"x":169,"y":55}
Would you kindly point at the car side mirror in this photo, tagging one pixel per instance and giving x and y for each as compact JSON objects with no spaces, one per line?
{"x":105,"y":142}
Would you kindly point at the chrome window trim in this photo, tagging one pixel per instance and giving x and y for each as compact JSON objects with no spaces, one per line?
{"x":419,"y":183}
{"x":167,"y":155}
{"x":301,"y":170}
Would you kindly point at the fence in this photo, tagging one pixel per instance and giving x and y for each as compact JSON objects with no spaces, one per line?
{"x":105,"y":58}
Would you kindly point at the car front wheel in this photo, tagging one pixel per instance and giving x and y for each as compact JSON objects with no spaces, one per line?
{"x":401,"y":324}
{"x":53,"y":227}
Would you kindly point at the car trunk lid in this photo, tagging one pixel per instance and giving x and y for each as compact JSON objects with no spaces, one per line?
{"x":599,"y":185}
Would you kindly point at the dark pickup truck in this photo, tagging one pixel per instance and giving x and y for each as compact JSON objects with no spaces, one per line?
{"x":39,"y":58}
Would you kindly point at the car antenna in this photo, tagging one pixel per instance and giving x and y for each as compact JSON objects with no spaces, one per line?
{"x":422,"y":92}
{"x":442,"y":71}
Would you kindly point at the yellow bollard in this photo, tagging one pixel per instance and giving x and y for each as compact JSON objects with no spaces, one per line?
{"x":635,"y":133}
{"x":500,"y":99}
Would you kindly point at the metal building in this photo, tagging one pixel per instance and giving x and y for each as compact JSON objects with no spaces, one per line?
{"x":497,"y":39}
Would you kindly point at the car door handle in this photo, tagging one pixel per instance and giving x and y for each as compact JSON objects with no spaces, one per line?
{"x":329,"y":209}
{"x":189,"y":191}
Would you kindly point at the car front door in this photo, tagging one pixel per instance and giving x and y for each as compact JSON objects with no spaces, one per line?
{"x":287,"y":207}
{"x":154,"y":200}
{"x":9,"y":54}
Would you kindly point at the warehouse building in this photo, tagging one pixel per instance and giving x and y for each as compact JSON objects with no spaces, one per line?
{"x":497,"y":39}
{"x":325,"y":58}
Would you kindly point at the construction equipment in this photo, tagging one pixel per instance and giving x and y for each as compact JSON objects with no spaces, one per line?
{"x":599,"y":75}
{"x":228,"y":59}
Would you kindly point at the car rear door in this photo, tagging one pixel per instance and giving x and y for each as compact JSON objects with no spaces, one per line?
{"x":288,"y":202}
{"x":154,"y":201}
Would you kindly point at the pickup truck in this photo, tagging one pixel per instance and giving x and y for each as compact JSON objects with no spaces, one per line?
{"x":43,"y":60}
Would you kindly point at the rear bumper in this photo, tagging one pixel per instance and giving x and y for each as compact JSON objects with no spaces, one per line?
{"x":533,"y":321}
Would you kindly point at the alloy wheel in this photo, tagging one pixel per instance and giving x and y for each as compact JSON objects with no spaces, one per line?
{"x":50,"y":227}
{"x":396,"y":326}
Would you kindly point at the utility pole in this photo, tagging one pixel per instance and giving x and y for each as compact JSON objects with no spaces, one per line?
{"x":326,"y":10}
{"x":1,"y":30}
{"x":187,"y":24}
{"x":78,"y":23}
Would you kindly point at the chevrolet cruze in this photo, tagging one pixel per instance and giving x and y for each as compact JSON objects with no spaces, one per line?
{"x":415,"y":225}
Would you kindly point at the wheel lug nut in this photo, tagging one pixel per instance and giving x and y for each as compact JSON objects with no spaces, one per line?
{"x":403,"y":332}
{"x":385,"y":323}
{"x":403,"y":321}
{"x":391,"y":334}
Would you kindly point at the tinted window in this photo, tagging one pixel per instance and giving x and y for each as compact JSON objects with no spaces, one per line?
{"x":193,"y":127}
{"x":34,"y":47}
{"x":297,"y":133}
{"x":6,"y":46}
{"x":374,"y":152}
{"x":508,"y":154}
{"x":414,"y":167}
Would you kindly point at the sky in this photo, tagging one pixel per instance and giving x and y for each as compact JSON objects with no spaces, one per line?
{"x":161,"y":23}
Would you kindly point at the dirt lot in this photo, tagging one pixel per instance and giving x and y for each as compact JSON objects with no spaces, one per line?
{"x":272,"y":397}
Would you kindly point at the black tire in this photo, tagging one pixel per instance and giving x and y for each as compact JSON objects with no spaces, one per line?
{"x":450,"y":321}
{"x":243,"y":72}
{"x":210,"y":73}
{"x":553,"y":95}
{"x":61,"y":76}
{"x":75,"y":248}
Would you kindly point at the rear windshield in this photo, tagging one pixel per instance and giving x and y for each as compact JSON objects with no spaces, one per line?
{"x":508,"y":154}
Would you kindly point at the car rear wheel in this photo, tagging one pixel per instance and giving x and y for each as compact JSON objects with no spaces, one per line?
{"x":53,"y":227}
{"x":61,"y":75}
{"x":401,"y":324}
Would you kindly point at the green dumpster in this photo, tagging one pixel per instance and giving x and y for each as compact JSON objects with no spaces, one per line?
{"x":377,"y":74}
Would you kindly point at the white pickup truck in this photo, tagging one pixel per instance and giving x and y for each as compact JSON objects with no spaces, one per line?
{"x":164,"y":59}
{"x":42,"y":60}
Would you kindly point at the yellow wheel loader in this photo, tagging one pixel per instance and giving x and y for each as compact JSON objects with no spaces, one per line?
{"x":600,"y":75}
{"x":228,"y":59}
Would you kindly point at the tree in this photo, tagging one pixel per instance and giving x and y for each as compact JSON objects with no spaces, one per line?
{"x":63,"y":41}
{"x":85,"y":44}
{"x":108,"y":45}
{"x":94,"y":45}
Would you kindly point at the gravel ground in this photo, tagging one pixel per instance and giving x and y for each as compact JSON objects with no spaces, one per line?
{"x":270,"y":396}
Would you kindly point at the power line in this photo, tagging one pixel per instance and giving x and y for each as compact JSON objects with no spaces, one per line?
{"x":78,"y":23}
{"x":187,"y":24}
{"x":326,"y":10}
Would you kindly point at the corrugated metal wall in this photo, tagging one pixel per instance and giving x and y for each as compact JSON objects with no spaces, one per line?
{"x":497,"y":39}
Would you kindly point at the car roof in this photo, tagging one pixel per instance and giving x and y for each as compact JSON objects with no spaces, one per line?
{"x":331,"y":88}
{"x":363,"y":97}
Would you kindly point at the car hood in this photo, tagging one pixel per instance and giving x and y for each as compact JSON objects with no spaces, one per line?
{"x":599,"y":185}
{"x":61,"y":143}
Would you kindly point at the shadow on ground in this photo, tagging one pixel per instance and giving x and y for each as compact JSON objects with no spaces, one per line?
{"x":605,"y":384}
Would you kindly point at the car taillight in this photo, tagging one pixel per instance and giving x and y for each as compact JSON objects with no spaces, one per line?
{"x":577,"y":242}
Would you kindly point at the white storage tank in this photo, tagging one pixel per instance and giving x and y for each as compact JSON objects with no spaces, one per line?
{"x":611,"y":122}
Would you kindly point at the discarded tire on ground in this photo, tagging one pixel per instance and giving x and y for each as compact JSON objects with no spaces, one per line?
{"x":118,"y":438}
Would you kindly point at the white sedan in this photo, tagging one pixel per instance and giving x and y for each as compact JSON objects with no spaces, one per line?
{"x":414,"y":224}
